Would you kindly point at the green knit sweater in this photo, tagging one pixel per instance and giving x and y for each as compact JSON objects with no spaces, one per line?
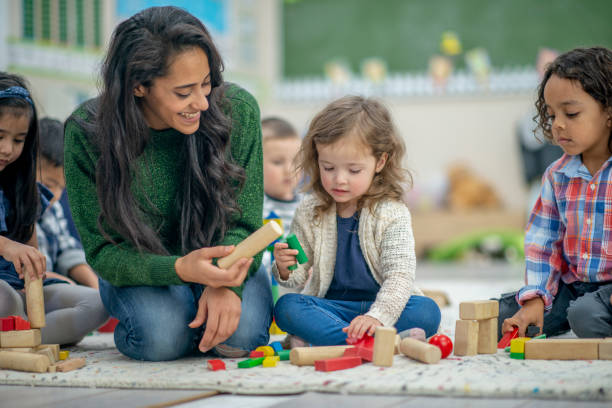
{"x":158,"y":173}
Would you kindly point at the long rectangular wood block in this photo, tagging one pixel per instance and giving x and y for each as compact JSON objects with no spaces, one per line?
{"x":487,"y":336}
{"x":466,"y":338}
{"x":20,"y":338}
{"x":339,"y":363}
{"x":70,"y":364}
{"x":253,"y":244}
{"x":47,"y":351}
{"x":562,"y":349}
{"x":54,"y":347}
{"x":605,"y":349}
{"x":478,"y":309}
{"x":384,"y":346}
{"x":30,"y":362}
{"x":302,"y":356}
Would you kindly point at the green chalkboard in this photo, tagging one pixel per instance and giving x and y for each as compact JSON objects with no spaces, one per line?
{"x":406,"y":33}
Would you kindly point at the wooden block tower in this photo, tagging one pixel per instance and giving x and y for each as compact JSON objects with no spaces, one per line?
{"x":476,"y":331}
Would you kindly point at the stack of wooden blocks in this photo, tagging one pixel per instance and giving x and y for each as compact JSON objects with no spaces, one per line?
{"x":476,"y":331}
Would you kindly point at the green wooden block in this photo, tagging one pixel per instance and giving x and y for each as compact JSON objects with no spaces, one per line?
{"x":507,"y":349}
{"x":541,"y":336}
{"x":251,"y":362}
{"x":283,"y":354}
{"x":295,"y":244}
{"x":517,"y":356}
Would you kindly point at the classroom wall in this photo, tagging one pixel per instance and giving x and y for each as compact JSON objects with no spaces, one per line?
{"x":478,"y":130}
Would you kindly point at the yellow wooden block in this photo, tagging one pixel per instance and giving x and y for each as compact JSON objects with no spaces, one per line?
{"x":63,"y":355}
{"x":267,"y":350}
{"x":271,"y":361}
{"x":517,"y":345}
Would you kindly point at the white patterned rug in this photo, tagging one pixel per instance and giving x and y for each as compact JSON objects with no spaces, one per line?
{"x":491,"y":376}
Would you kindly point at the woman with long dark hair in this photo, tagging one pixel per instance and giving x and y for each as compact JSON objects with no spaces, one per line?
{"x":164,"y":175}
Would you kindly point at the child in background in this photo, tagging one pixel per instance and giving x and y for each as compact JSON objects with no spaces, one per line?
{"x":355,"y":230}
{"x":71,"y":311}
{"x":568,"y":243}
{"x":64,"y":253}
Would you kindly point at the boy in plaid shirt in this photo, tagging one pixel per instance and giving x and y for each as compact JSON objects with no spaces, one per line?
{"x":568,"y":243}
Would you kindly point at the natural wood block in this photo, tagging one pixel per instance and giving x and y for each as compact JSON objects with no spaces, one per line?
{"x":47,"y":351}
{"x":384,"y":346}
{"x":54,"y":347}
{"x":398,"y":340}
{"x":31,"y":362}
{"x":302,"y":356}
{"x":466,"y":338}
{"x":19,"y":349}
{"x":254,"y":243}
{"x":20,"y":338}
{"x":478,"y":309}
{"x":487,"y":336}
{"x":420,"y":351}
{"x":562,"y":349}
{"x":605,"y":349}
{"x":70,"y":364}
{"x":35,"y":302}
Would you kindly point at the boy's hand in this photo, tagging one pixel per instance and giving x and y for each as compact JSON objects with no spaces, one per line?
{"x":284,"y":258}
{"x":25,"y":258}
{"x":532,"y":312}
{"x":361,"y":325}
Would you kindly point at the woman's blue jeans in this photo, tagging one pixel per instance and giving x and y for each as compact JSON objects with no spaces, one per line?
{"x":320,"y":321}
{"x":153,"y":319}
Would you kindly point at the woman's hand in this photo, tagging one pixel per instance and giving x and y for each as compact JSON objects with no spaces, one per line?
{"x":25,"y":258}
{"x":532,"y":312}
{"x":284,"y":258}
{"x":197,"y":267}
{"x":361,"y":325}
{"x":220,"y":309}
{"x":60,"y":277}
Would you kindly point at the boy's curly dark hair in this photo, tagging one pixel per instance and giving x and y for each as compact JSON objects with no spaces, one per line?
{"x":592,"y":68}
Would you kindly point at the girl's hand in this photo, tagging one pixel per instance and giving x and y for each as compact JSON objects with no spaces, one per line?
{"x":60,"y":277}
{"x":284,"y":258}
{"x":361,"y":325}
{"x":25,"y":258}
{"x":532,"y":312}
{"x":197,"y":267}
{"x":220,"y":309}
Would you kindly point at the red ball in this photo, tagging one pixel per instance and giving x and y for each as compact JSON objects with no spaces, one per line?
{"x":443,"y":342}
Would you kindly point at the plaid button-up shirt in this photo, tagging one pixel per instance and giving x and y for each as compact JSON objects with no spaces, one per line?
{"x":569,"y":234}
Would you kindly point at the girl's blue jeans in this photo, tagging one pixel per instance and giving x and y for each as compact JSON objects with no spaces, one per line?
{"x":320,"y":321}
{"x":153,"y":319}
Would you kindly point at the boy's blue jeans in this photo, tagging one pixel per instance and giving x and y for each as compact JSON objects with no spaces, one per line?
{"x":153,"y":319}
{"x":320,"y":321}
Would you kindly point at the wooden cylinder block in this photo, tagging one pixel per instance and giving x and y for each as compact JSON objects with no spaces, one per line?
{"x":15,"y":360}
{"x":302,"y":356}
{"x":254,"y":243}
{"x":420,"y":351}
{"x":35,"y":302}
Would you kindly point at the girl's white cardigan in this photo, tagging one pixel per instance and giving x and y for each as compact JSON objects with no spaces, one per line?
{"x":387,"y":244}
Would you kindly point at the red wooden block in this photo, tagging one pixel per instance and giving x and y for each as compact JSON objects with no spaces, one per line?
{"x":366,"y":341}
{"x":364,"y":353}
{"x":215,"y":365}
{"x":505,"y":341}
{"x":7,"y":323}
{"x":339,"y":363}
{"x":255,"y":354}
{"x":109,"y":327}
{"x":20,"y":323}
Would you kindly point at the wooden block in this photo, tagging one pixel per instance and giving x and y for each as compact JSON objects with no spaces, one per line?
{"x":277,"y":346}
{"x":20,"y":349}
{"x":605,"y":349}
{"x":54,"y":347}
{"x":366,"y":354}
{"x":70,"y":364}
{"x":466,"y":338}
{"x":508,"y":336}
{"x":46,"y":351}
{"x":398,"y":340}
{"x":487,"y":336}
{"x":339,"y":363}
{"x":20,"y":323}
{"x":20,"y":338}
{"x":518,"y":345}
{"x":384,"y":345}
{"x":63,"y":355}
{"x":302,"y":356}
{"x":270,"y":361}
{"x":284,"y":354}
{"x":562,"y":349}
{"x":420,"y":351}
{"x":254,"y":243}
{"x":478,"y":310}
{"x":256,"y":353}
{"x":7,"y":323}
{"x":215,"y":365}
{"x":15,"y":360}
{"x":251,"y":362}
{"x":267,"y":350}
{"x":35,"y":303}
